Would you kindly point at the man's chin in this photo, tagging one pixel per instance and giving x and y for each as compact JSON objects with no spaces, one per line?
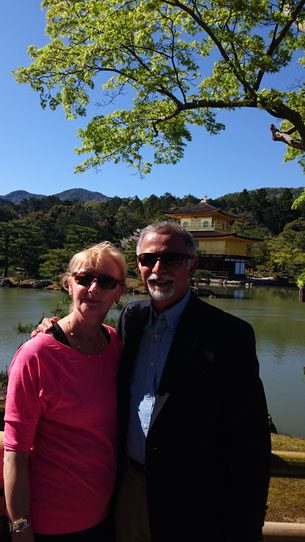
{"x":160,"y":294}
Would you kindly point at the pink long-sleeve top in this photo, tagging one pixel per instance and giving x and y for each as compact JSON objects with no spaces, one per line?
{"x":61,"y":406}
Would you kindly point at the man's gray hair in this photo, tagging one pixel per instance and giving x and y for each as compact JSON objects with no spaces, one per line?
{"x":170,"y":227}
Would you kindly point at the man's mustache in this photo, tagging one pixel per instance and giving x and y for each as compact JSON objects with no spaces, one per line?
{"x":164,"y":277}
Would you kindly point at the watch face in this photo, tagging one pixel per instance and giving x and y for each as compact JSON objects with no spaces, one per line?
{"x":18,"y":526}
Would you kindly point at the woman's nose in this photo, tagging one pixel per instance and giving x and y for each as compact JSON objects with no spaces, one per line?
{"x":94,"y":285}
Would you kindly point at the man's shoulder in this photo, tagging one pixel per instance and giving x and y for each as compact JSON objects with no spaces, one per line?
{"x":134,"y":308}
{"x":139,"y":303}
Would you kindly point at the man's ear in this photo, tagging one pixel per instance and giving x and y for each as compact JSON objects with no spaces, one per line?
{"x":192,"y":267}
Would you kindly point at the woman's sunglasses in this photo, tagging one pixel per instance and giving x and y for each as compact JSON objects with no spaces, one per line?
{"x":169,"y":259}
{"x":106,"y":282}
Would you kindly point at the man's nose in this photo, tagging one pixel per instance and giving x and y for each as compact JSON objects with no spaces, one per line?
{"x":158,"y":265}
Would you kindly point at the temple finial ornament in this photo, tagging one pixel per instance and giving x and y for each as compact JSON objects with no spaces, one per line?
{"x":204,"y":200}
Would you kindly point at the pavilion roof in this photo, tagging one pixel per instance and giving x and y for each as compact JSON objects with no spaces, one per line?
{"x":214,"y":233}
{"x":201,"y":208}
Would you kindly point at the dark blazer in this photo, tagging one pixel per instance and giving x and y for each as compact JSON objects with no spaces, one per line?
{"x":208,"y":445}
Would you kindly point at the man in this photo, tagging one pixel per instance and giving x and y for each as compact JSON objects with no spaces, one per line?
{"x":192,"y":409}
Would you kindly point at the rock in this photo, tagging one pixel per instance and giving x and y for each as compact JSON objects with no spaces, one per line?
{"x":41,"y":283}
{"x":7,"y":283}
{"x":26,"y":283}
{"x":204,"y":292}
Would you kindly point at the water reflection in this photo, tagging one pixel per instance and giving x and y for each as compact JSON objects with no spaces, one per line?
{"x":278,"y":319}
{"x":276,"y":315}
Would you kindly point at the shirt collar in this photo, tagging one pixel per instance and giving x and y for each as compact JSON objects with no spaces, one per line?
{"x":171,"y":315}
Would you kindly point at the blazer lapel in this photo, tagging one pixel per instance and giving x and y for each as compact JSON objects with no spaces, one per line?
{"x":183,"y":347}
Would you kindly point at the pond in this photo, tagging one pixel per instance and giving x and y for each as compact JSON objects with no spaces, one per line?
{"x":275,"y":313}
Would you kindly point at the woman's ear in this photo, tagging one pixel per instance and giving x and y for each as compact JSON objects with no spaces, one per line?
{"x":70,"y":289}
{"x":122,"y":290}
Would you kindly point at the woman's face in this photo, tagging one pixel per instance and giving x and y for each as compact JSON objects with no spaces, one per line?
{"x":94,"y":301}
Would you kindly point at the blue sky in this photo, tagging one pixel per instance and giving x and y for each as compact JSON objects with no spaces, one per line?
{"x":37,"y":145}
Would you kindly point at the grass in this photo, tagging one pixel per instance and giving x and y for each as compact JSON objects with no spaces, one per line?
{"x":286,"y":499}
{"x":288,"y":444}
{"x":25,"y":328}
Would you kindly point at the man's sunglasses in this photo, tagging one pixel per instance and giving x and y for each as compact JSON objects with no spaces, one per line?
{"x":106,"y":282}
{"x":169,"y":259}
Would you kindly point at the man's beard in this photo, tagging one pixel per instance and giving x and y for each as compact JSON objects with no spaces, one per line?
{"x":161,"y":292}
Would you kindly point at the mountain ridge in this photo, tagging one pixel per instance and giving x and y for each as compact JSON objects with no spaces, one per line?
{"x":78,"y":194}
{"x":82,"y":195}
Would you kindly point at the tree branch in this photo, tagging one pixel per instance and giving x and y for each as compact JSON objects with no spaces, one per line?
{"x":239,"y":76}
{"x":286,"y":138}
{"x":276,"y":41}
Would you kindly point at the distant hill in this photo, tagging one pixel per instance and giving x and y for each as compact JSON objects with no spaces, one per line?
{"x":18,"y":195}
{"x":82,"y":195}
{"x":270,"y":194}
{"x":4,"y":202}
{"x":78,"y":194}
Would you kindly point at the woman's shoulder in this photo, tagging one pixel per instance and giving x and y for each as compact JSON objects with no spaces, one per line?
{"x":28,"y":357}
{"x":33,"y":347}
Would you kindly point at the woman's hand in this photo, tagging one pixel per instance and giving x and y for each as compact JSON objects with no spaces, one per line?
{"x":24,"y":536}
{"x":45,"y":326}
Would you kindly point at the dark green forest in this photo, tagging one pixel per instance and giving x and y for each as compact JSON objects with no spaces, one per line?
{"x":39,"y":236}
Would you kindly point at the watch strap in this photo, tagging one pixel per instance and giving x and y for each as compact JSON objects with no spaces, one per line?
{"x":19,"y":525}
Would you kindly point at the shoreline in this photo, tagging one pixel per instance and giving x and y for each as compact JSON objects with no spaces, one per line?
{"x":134,"y":285}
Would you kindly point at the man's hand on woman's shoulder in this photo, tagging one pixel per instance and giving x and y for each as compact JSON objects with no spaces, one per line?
{"x":45,"y":326}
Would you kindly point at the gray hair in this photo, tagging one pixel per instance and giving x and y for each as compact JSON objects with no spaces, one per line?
{"x":170,"y":227}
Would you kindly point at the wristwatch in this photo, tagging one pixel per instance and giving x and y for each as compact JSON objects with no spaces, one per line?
{"x":19,"y":525}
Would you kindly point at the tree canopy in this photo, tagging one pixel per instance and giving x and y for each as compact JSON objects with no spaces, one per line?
{"x":39,"y":236}
{"x":178,"y":61}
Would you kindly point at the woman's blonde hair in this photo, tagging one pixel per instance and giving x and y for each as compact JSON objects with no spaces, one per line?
{"x":93,"y":257}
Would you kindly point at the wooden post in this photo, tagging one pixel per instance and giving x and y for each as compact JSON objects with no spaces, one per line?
{"x":284,"y":532}
{"x":302,"y":294}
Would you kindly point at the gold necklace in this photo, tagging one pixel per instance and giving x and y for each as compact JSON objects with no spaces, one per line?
{"x":74,"y":335}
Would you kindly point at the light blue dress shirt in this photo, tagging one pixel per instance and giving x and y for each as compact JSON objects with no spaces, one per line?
{"x":153,"y":350}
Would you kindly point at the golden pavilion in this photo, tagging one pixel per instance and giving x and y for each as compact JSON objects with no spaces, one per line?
{"x":222,"y":251}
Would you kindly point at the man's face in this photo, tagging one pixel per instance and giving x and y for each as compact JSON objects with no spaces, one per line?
{"x":166,"y":284}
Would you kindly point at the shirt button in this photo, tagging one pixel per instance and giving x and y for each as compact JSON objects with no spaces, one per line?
{"x":145,"y":426}
{"x":156,"y":336}
{"x":148,"y":395}
{"x":152,"y":364}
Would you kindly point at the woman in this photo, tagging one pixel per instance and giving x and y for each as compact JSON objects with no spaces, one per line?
{"x":60,"y":420}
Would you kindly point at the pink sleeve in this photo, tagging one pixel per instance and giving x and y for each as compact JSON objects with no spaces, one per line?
{"x":24,"y":402}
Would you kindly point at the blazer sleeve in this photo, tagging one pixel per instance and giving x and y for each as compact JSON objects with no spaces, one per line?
{"x":247,"y":437}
